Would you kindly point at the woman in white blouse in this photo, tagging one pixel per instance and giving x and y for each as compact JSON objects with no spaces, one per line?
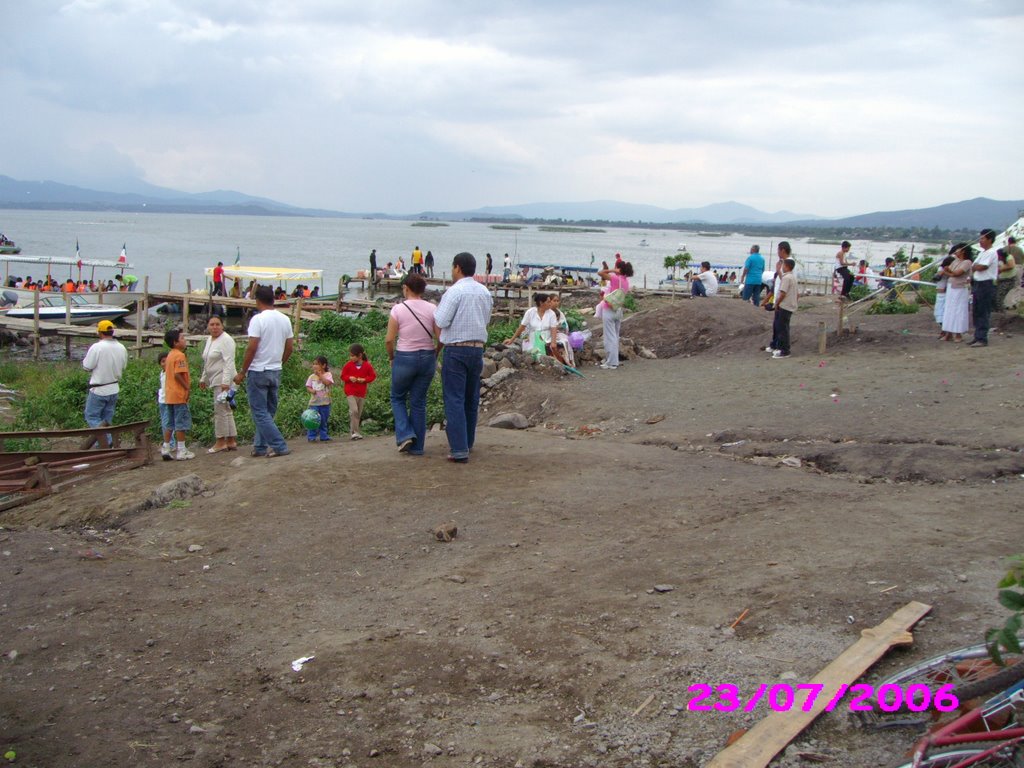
{"x":218,"y":372}
{"x":539,"y":319}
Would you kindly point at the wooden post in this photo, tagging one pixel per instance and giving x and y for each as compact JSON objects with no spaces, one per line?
{"x":67,"y":321}
{"x":170,"y":276}
{"x":821,"y":338}
{"x":842,"y":314}
{"x":295,"y":322}
{"x":141,"y":309}
{"x":184,"y":305}
{"x":341,"y":294}
{"x":35,"y":325}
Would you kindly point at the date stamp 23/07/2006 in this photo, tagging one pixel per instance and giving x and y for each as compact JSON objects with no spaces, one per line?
{"x":782,"y":698}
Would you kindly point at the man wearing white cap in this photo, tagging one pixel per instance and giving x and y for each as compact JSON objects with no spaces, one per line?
{"x":105,"y":360}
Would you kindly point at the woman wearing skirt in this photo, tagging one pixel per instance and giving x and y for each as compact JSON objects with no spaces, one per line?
{"x":955,"y":316}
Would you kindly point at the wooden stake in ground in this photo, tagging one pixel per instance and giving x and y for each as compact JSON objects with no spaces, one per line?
{"x":760,"y":744}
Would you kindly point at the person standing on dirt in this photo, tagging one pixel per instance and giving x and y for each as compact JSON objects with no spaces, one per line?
{"x":270,"y":345}
{"x":983,"y":293}
{"x":105,"y":361}
{"x":461,"y":319}
{"x":750,"y":277}
{"x":785,"y":304}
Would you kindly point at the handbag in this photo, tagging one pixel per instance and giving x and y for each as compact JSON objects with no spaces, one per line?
{"x":616,"y":299}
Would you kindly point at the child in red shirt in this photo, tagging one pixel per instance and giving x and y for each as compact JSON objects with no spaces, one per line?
{"x":356,"y":374}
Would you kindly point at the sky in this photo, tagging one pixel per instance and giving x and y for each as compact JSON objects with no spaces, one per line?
{"x":821,"y":108}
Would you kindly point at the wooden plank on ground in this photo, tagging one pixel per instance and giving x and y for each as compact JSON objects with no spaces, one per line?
{"x":769,"y":736}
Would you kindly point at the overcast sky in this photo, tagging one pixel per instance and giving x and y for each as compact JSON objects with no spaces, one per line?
{"x":828,"y":108}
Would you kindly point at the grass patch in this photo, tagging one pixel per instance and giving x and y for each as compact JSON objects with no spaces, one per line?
{"x":570,"y":229}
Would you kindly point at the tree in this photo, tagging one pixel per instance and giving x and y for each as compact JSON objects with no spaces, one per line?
{"x":677,"y":261}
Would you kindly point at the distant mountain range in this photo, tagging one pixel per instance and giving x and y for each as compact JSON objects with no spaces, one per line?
{"x":49,"y":195}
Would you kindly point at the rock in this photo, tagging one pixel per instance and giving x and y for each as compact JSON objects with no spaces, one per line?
{"x":446,"y":531}
{"x":647,"y":354}
{"x":490,"y":368}
{"x":196,"y":729}
{"x":432,"y":749}
{"x":237,"y":461}
{"x":195,"y":547}
{"x":505,"y":364}
{"x":457,"y":578}
{"x":184,"y":487}
{"x":961,"y":577}
{"x":792,"y":461}
{"x":511,"y":420}
{"x":498,"y":377}
{"x":1013,"y":298}
{"x":663,"y":587}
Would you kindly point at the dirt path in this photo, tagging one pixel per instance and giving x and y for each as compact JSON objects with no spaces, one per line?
{"x":533,"y":637}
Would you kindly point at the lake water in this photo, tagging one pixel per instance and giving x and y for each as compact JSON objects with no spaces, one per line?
{"x":180,"y":246}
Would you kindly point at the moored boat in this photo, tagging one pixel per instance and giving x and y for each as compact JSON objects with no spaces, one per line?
{"x":53,"y":308}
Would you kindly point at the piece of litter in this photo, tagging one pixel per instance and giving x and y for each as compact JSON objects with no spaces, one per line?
{"x":791,"y":461}
{"x":297,"y":664}
{"x":81,"y":466}
{"x":850,"y":620}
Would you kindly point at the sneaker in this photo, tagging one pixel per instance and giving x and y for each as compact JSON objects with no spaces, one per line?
{"x":165,"y":452}
{"x":185,"y":455}
{"x":405,"y":445}
{"x":769,"y":350}
{"x":977,"y":343}
{"x":778,"y":354}
{"x":272,"y":453}
{"x":607,"y":367}
{"x":356,"y":436}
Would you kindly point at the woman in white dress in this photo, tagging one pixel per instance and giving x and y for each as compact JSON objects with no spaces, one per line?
{"x":955,"y":316}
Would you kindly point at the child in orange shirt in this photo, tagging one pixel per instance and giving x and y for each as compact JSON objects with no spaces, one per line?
{"x":356,"y":374}
{"x":177,"y":385}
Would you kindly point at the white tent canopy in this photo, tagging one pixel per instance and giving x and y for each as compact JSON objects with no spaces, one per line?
{"x":268,"y":275}
{"x":64,"y":261}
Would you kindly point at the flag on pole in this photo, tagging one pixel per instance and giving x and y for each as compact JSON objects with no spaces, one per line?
{"x":591,"y":258}
{"x":123,"y":258}
{"x":238,"y":255}
{"x":78,"y":255}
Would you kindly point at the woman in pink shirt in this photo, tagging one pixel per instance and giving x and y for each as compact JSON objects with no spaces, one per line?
{"x":611,"y":317}
{"x":411,"y":349}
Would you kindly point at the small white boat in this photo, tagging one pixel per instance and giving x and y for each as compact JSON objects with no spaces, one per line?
{"x":644,"y":243}
{"x":53,"y":309}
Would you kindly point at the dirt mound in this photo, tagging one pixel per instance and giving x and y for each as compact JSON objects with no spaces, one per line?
{"x":692,"y":326}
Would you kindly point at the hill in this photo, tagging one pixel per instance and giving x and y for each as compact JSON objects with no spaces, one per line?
{"x":972,"y":214}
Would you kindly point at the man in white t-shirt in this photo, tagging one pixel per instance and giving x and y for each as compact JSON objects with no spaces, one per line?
{"x":270,"y":346}
{"x":506,"y":268}
{"x":705,"y":282}
{"x":983,"y":293}
{"x":105,"y":362}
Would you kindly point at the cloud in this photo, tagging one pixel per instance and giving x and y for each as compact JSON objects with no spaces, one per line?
{"x":781,"y":104}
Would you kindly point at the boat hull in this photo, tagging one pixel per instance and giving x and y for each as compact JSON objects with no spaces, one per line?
{"x":80,"y":315}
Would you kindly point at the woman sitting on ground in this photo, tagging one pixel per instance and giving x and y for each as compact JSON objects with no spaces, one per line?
{"x":538,"y":319}
{"x":560,"y":349}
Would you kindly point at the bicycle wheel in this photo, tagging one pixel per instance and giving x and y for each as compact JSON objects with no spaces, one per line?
{"x":986,"y":686}
{"x":959,"y":668}
{"x":1011,"y":757}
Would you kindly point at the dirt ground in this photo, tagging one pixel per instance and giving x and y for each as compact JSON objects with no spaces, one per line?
{"x":534,"y":636}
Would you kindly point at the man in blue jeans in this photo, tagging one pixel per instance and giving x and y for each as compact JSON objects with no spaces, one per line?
{"x":461,"y":319}
{"x":752,"y":276}
{"x":270,"y":345}
{"x":105,"y":362}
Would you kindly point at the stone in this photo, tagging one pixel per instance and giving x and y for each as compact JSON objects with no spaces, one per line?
{"x":663,"y":587}
{"x":184,"y":487}
{"x":432,"y":749}
{"x":1013,"y":298}
{"x":647,"y":354}
{"x":446,"y":531}
{"x":195,"y":547}
{"x":489,"y":369}
{"x":498,"y":377}
{"x":512,"y":420}
{"x":505,"y":364}
{"x":237,"y":461}
{"x":457,"y":578}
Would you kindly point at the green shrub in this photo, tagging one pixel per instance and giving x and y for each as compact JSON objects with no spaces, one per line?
{"x":631,"y":303}
{"x":575,"y":319}
{"x":858,"y":292}
{"x":893,"y":308}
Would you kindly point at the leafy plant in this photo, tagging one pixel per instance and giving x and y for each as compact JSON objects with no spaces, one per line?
{"x":1011,"y":595}
{"x":677,"y":261}
{"x":575,"y":319}
{"x":893,"y":308}
{"x":631,"y":303}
